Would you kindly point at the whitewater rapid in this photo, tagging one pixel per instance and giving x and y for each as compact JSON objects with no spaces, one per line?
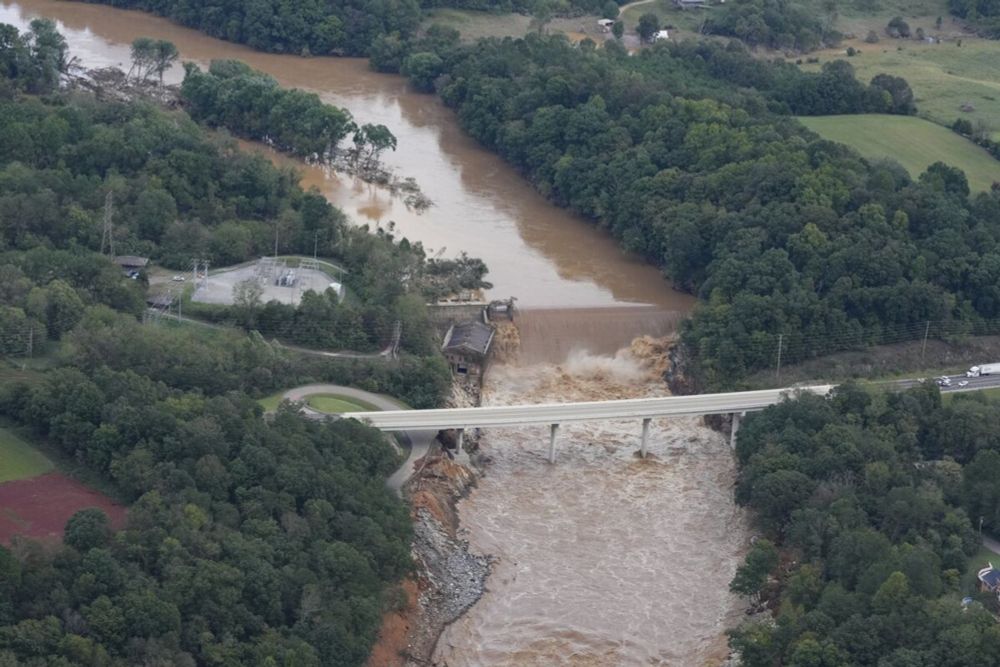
{"x":602,"y":558}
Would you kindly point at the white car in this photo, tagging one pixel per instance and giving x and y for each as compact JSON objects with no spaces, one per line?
{"x":944,"y":382}
{"x":963,"y":383}
{"x":178,"y":279}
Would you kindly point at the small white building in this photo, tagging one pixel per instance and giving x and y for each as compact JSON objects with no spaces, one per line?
{"x":662,"y":35}
{"x":606,"y":24}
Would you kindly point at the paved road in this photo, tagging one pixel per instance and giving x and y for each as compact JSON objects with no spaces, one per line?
{"x":974,"y":384}
{"x":670,"y":406}
{"x":557,"y":413}
{"x":418,"y":442}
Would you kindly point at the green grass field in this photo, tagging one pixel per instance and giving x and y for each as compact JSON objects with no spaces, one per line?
{"x":944,"y":77}
{"x":271,"y":403}
{"x":475,"y":25}
{"x":18,"y":459}
{"x":913,"y":142}
{"x":335,"y":404}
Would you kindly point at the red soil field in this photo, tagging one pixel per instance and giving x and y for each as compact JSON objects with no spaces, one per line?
{"x":40,"y":507}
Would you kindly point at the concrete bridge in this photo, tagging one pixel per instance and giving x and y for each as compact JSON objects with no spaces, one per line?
{"x":643,"y":409}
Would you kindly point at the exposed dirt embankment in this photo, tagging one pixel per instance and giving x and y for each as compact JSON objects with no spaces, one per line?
{"x":448,"y":579}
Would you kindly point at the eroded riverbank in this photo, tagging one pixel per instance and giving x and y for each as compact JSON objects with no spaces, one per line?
{"x":603,"y":558}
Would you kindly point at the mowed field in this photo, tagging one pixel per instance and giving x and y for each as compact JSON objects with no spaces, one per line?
{"x":944,"y":77}
{"x":36,"y":501}
{"x":18,"y":459}
{"x":913,"y":142}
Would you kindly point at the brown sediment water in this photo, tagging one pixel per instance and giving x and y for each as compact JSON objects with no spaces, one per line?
{"x":553,"y":334}
{"x":602,"y":558}
{"x":537,"y":252}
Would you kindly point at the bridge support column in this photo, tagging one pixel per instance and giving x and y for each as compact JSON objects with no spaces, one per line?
{"x":736,"y":427}
{"x":460,"y":441}
{"x":554,"y":431}
{"x":645,"y":437}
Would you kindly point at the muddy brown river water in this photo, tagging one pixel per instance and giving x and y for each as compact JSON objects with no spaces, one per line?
{"x":601,"y":559}
{"x":535,"y":251}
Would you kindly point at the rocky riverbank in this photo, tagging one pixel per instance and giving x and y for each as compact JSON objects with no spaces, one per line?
{"x":448,"y":579}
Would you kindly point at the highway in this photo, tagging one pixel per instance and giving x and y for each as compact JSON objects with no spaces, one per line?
{"x":641,"y":408}
{"x":558,"y":413}
{"x":974,"y":384}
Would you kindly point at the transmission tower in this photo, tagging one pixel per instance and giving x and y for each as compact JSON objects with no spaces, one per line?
{"x":108,"y":230}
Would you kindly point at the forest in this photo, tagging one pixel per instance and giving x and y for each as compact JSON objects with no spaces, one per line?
{"x":775,"y":24}
{"x":303,"y":27}
{"x":251,"y":105}
{"x":688,"y":155}
{"x":248,"y":540}
{"x":869,"y":503}
{"x":984,"y":15}
{"x":176,"y":193}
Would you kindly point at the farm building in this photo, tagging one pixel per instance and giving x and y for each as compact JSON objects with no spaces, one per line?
{"x":467,"y":348}
{"x":606,"y":24}
{"x":661,"y":36}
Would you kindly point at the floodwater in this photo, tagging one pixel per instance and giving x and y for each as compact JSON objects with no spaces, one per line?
{"x":601,"y":559}
{"x":536,"y":252}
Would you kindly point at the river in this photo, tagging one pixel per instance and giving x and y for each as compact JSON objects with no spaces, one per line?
{"x":602,"y":559}
{"x":535,"y":251}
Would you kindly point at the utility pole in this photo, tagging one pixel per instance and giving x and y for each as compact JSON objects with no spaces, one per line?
{"x":777,"y":372}
{"x":315,"y":242}
{"x":275,"y":238}
{"x":923,"y":348}
{"x":108,"y":230}
{"x":31,"y":340}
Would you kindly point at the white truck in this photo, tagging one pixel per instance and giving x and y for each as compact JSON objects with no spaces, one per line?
{"x":985,"y":369}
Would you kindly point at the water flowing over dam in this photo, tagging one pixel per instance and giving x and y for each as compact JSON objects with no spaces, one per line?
{"x":603,"y":558}
{"x":552,"y":334}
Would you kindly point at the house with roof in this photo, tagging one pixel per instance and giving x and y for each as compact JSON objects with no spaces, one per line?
{"x":131,"y":265}
{"x":606,"y":24}
{"x":467,"y":348}
{"x":989,"y":579}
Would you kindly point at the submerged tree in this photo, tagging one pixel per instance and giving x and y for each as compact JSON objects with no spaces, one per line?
{"x":152,"y":56}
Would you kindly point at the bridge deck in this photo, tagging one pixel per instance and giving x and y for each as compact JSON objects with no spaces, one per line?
{"x":557,"y":413}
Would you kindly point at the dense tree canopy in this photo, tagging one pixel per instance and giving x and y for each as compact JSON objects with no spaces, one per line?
{"x":248,"y":541}
{"x":252,"y":105}
{"x":179,"y":194}
{"x":317,"y":27}
{"x":983,"y":14}
{"x":686,"y":154}
{"x":869,"y":496}
{"x":777,"y":24}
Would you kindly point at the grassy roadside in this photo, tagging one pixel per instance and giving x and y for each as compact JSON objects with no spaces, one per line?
{"x":337,"y":403}
{"x":884,"y":362}
{"x":19,"y":460}
{"x":914,"y":142}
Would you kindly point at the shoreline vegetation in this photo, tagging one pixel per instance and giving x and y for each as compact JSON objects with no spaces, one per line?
{"x":248,"y":540}
{"x":114,"y":84}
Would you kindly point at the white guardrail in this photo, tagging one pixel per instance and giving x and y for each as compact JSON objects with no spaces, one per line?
{"x":557,"y":413}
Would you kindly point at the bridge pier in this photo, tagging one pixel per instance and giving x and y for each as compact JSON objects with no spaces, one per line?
{"x":735,"y":427}
{"x":645,"y":437}
{"x":460,"y":440}
{"x":554,"y":431}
